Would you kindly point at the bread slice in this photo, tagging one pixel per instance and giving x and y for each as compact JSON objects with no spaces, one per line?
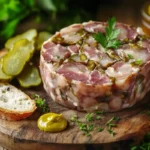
{"x":15,"y":104}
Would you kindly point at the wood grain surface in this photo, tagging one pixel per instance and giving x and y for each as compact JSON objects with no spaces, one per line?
{"x":25,"y":134}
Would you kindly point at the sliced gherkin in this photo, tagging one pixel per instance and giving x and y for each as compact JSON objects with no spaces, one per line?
{"x":91,"y":64}
{"x":29,"y":76}
{"x":79,"y":58}
{"x":42,"y":36}
{"x":83,"y":57}
{"x":3,"y":76}
{"x":75,"y":57}
{"x":29,"y":35}
{"x":15,"y":60}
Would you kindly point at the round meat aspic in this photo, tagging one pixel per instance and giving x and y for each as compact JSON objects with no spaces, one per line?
{"x":81,"y":72}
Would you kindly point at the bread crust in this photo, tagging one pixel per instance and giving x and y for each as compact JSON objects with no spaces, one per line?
{"x":14,"y":115}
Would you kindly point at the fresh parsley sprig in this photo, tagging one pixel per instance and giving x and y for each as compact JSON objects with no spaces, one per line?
{"x":108,"y":40}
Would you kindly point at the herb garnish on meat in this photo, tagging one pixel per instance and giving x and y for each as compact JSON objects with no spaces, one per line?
{"x":130,"y":56}
{"x":109,"y":40}
{"x":138,"y":62}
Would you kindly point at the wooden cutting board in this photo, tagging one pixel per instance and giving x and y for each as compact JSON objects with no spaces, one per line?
{"x":25,"y":134}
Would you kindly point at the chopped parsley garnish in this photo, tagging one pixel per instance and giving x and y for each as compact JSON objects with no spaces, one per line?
{"x":99,"y":112}
{"x":109,"y":40}
{"x":41,"y":103}
{"x":138,"y":62}
{"x":110,"y":123}
{"x":111,"y":132}
{"x":89,"y":117}
{"x":88,"y":126}
{"x":100,"y":129}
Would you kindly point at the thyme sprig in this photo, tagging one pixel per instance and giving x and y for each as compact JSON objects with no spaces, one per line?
{"x":88,"y":126}
{"x":112,"y":123}
{"x":41,"y":103}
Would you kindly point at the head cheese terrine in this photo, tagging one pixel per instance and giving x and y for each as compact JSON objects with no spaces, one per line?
{"x":78,"y":73}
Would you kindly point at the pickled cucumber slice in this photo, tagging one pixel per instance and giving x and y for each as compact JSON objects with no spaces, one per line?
{"x":3,"y":76}
{"x":29,"y":76}
{"x":29,"y":35}
{"x":91,"y":65}
{"x":43,"y":36}
{"x":15,"y":60}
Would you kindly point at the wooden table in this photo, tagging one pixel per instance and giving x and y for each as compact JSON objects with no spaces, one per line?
{"x":133,"y":122}
{"x":25,"y":134}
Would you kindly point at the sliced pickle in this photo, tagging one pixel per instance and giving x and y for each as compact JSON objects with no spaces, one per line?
{"x":15,"y":60}
{"x":91,"y":65}
{"x":83,"y":57}
{"x":43,"y":36}
{"x":29,"y":76}
{"x":29,"y":35}
{"x":79,"y":58}
{"x":3,"y":76}
{"x":75,"y":57}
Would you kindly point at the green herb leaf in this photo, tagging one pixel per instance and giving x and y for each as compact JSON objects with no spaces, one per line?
{"x":89,"y":117}
{"x":111,"y":132}
{"x":110,"y":124}
{"x":138,"y":62}
{"x":112,"y":23}
{"x":86,"y":128}
{"x":41,"y":103}
{"x":113,"y":44}
{"x":100,"y":129}
{"x":109,"y":39}
{"x":114,"y":34}
{"x":99,"y":112}
{"x":99,"y":37}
